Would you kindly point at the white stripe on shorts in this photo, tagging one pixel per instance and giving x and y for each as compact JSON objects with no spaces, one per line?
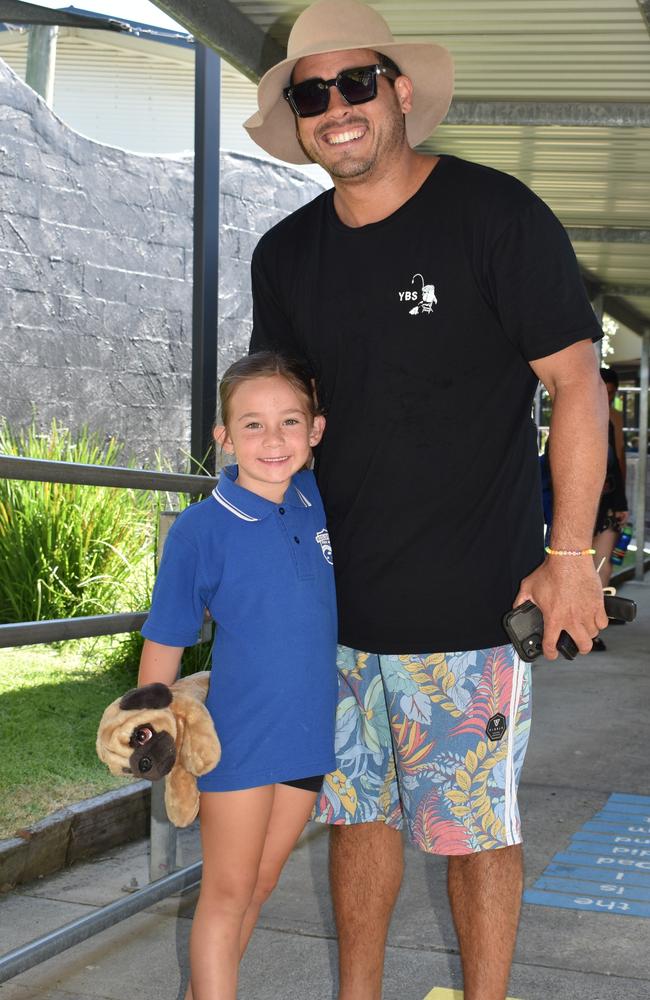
{"x":512,"y":831}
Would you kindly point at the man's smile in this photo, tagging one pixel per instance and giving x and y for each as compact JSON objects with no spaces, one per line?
{"x":349,"y":135}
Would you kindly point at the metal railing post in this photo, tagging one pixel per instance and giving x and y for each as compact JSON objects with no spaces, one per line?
{"x":205,"y":302}
{"x":642,"y":467}
{"x":162,"y":833}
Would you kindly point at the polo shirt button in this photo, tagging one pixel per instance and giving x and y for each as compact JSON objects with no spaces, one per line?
{"x":296,"y":540}
{"x":280,"y":510}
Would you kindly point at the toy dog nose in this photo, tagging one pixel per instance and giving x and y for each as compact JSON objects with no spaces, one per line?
{"x":145,"y":764}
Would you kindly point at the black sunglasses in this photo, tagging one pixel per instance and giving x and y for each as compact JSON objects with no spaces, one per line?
{"x":356,"y":86}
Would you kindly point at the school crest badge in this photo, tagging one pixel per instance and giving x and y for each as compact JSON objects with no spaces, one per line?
{"x":323,"y":540}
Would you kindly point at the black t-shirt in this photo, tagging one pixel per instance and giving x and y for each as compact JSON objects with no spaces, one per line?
{"x":419,"y":329}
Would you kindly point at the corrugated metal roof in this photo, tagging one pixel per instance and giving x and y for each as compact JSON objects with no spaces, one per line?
{"x":136,"y":93}
{"x":121,"y":92}
{"x":595,"y":51}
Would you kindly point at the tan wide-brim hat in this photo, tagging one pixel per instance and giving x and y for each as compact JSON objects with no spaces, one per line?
{"x":333,"y":26}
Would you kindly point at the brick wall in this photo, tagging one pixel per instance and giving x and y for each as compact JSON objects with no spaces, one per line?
{"x":96,"y":274}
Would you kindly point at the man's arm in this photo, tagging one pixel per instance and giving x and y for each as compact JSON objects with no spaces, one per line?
{"x":567,"y":589}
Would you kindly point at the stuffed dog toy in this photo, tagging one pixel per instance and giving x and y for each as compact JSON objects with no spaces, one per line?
{"x":156,"y":732}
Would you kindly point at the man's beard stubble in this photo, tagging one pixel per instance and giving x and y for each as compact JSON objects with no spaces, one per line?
{"x":348,"y":168}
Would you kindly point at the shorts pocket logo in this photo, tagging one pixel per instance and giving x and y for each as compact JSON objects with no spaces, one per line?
{"x":496,"y":727}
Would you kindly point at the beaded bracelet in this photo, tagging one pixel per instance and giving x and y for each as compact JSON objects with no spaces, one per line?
{"x":569,"y":552}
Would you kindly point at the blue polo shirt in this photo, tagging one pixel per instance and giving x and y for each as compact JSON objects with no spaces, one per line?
{"x":264,"y":572}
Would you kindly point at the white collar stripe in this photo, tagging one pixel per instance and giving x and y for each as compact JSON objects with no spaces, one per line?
{"x":302,"y":496}
{"x":231,"y":507}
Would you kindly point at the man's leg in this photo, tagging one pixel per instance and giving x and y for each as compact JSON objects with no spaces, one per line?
{"x":366,"y":866}
{"x":485,"y":895}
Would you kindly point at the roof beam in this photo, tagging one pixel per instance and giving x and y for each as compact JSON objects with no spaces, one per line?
{"x":627,"y":291}
{"x":626,"y":314}
{"x":225,"y":29}
{"x":17,"y":12}
{"x":596,"y":114}
{"x":607,"y":234}
{"x":644,"y":7}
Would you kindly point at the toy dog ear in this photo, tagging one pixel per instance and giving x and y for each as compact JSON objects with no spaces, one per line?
{"x":198,"y":745}
{"x":147,"y":697}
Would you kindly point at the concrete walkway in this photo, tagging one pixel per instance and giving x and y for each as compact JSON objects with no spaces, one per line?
{"x":589,"y":739}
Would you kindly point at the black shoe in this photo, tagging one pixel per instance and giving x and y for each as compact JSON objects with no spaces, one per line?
{"x":597,"y":645}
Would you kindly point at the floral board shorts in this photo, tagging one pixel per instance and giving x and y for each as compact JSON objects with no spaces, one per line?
{"x":436,"y":741}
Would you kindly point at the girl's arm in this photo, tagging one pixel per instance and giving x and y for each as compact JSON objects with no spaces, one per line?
{"x":159,"y":663}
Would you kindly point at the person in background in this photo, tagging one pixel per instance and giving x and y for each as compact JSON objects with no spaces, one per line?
{"x":613,"y":507}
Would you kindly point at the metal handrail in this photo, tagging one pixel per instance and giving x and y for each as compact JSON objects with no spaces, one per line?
{"x":46,"y":471}
{"x":51,"y":471}
{"x":42,"y":948}
{"x":58,"y":629}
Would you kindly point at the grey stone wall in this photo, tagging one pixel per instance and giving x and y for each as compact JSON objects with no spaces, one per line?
{"x":96,"y":275}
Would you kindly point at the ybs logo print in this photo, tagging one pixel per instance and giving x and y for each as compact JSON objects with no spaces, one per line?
{"x":424,"y":297}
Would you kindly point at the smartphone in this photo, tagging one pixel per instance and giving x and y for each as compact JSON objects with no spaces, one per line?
{"x":525,"y":627}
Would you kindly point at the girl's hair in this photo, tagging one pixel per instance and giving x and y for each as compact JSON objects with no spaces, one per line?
{"x":264,"y":364}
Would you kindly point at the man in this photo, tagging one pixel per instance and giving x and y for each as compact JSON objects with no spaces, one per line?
{"x":428,"y":295}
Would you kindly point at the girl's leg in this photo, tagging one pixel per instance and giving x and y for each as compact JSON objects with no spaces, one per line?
{"x":233,"y":832}
{"x":604,"y":543}
{"x":291,"y":810}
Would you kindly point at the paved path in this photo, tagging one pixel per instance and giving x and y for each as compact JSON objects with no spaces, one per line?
{"x":589,"y":740}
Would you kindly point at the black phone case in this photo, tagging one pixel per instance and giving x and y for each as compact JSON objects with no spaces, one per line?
{"x":525,"y":627}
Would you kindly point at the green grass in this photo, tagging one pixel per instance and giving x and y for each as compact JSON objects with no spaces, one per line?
{"x":51,"y":700}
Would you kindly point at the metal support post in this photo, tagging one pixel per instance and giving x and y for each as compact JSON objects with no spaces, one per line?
{"x":162,"y":856}
{"x":537,"y":413}
{"x":642,"y":467}
{"x":205,"y":303}
{"x":597,"y":306}
{"x":41,"y":59}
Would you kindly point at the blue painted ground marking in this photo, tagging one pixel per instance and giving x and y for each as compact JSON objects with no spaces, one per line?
{"x":603,"y":827}
{"x":594,"y":903}
{"x":584,"y":874}
{"x":595,"y":859}
{"x":626,"y":808}
{"x":615,"y":817}
{"x":614,"y":850}
{"x":606,"y":867}
{"x":610,"y":837}
{"x":602,"y":889}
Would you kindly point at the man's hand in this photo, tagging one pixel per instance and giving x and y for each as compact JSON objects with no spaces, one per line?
{"x":569,"y":593}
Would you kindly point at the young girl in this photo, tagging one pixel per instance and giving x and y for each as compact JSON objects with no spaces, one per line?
{"x":256,"y":554}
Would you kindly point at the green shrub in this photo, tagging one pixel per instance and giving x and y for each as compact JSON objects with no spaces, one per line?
{"x":70,"y":550}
